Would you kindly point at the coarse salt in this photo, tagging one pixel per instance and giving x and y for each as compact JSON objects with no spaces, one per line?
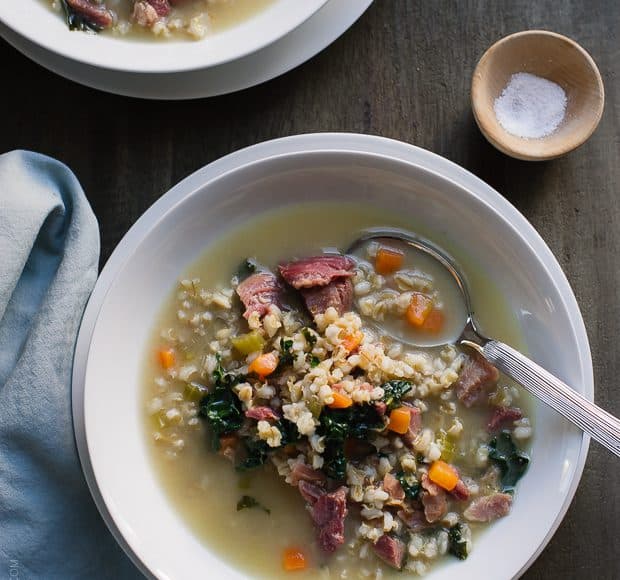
{"x":530,"y":107}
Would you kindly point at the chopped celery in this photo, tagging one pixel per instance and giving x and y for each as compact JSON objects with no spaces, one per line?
{"x":315,"y":407}
{"x":194,"y":391}
{"x":248,"y":343}
{"x":448,"y":448}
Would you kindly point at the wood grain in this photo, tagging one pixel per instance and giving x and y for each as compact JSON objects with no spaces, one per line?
{"x":402,"y":71}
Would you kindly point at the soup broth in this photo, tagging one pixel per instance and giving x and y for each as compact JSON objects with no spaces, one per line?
{"x":251,"y":517}
{"x":191,"y":19}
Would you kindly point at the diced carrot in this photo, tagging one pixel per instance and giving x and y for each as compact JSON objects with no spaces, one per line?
{"x":166,"y":358}
{"x":399,"y":420}
{"x":264,"y":364}
{"x":293,"y":559}
{"x":351,"y":341}
{"x":444,"y":475}
{"x":419,"y":309}
{"x":388,"y":260}
{"x":434,"y":321}
{"x":341,"y":401}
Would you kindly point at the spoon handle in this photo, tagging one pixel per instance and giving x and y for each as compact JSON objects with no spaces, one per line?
{"x":590,"y":418}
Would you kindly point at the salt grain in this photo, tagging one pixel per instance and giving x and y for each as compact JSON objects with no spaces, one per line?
{"x":530,"y":107}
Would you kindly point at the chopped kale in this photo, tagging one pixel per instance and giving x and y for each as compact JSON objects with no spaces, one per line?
{"x":223,"y":379}
{"x":77,"y":21}
{"x":309,"y":335}
{"x":336,"y":425}
{"x":394,"y":392}
{"x":409,"y":483}
{"x":286,"y":356}
{"x":246,"y":269}
{"x":356,"y":421}
{"x":289,"y":432}
{"x":256,"y":453}
{"x":247,"y":501}
{"x":457,"y":544}
{"x":221,"y":408}
{"x":364,"y":418}
{"x":314,"y":361}
{"x":512,"y":463}
{"x":335,"y":463}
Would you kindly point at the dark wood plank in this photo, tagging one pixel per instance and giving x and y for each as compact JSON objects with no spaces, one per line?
{"x":402,"y":71}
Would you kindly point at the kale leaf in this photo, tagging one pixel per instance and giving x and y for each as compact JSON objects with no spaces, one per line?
{"x":512,"y":463}
{"x":256,"y":453}
{"x":286,"y":356}
{"x":363,"y":419}
{"x":457,"y":544}
{"x":336,"y":425}
{"x":314,"y":361}
{"x":77,"y":21}
{"x":335,"y":463}
{"x":356,"y":421}
{"x":289,"y":432}
{"x":411,"y":486}
{"x":246,"y":269}
{"x":309,"y":335}
{"x":247,"y":501}
{"x":394,"y":392}
{"x":221,"y":408}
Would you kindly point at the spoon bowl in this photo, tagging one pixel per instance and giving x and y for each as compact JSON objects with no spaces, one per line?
{"x":593,"y":420}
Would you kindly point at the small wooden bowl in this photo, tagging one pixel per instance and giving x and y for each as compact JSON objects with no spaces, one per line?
{"x":551,"y":56}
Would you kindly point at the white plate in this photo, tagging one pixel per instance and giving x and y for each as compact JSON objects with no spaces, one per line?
{"x":172,"y":233}
{"x":316,"y":33}
{"x":35,"y":21}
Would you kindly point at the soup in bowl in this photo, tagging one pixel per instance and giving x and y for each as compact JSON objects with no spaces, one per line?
{"x":137,"y":36}
{"x":257,"y":421}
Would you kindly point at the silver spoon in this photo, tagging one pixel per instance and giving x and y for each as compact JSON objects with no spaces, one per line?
{"x":590,"y":418}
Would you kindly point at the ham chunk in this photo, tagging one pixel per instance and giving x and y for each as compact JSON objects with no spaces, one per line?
{"x":310,"y":492}
{"x":262,"y":413}
{"x":392,"y":486}
{"x":477,"y":377}
{"x":490,"y":507}
{"x":434,"y":500}
{"x":390,"y":550}
{"x":415,"y":519}
{"x":324,"y":282}
{"x":258,"y":292}
{"x":460,"y":491}
{"x":95,"y":14}
{"x":502,"y":416}
{"x":316,"y":271}
{"x":328,"y":514}
{"x":415,"y":424}
{"x":303,"y":472}
{"x":337,"y":294}
{"x":228,"y":446}
{"x":162,"y":7}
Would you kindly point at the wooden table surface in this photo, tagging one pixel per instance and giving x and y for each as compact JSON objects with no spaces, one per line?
{"x":402,"y":71}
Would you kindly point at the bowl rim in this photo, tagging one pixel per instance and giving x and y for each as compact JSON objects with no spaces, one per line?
{"x":112,"y":52}
{"x":372,"y":146}
{"x":522,"y":152}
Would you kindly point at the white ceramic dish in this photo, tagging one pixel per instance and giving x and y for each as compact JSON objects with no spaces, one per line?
{"x":35,"y":21}
{"x":301,"y":44}
{"x":175,"y":230}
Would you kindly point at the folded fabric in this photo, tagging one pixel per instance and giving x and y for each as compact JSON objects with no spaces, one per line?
{"x":49,"y":242}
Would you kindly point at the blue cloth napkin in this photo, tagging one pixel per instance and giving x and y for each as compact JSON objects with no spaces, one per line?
{"x":49,"y":250}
